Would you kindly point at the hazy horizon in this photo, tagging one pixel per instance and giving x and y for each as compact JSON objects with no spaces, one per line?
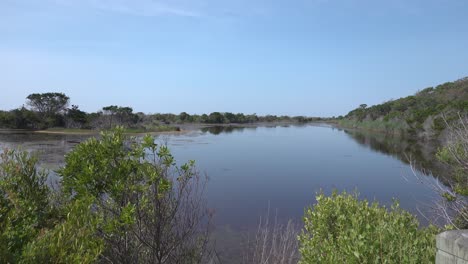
{"x":313,"y":58}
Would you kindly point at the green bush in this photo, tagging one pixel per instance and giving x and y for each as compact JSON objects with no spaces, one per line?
{"x":121,"y":199}
{"x":342,"y":229}
{"x":438,"y":124}
{"x":25,"y":210}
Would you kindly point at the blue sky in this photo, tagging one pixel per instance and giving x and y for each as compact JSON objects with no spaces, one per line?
{"x":296,"y":57}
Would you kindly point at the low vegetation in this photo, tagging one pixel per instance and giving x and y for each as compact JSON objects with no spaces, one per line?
{"x":422,"y":113}
{"x":342,"y":229}
{"x":121,"y":200}
{"x":453,"y":208}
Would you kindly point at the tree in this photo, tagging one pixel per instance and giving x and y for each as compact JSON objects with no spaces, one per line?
{"x":119,"y":115}
{"x":230,"y":117}
{"x":204,"y":118}
{"x":75,"y":117}
{"x":25,"y":119}
{"x":184,"y":117}
{"x":216,"y":118}
{"x":110,"y":111}
{"x":7,"y":119}
{"x":48,"y":104}
{"x":124,"y":114}
{"x":149,"y":210}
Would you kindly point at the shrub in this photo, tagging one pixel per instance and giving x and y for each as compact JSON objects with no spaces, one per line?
{"x":146,"y":209}
{"x":121,"y":200}
{"x":24,"y":204}
{"x":455,"y":154}
{"x":342,"y":229}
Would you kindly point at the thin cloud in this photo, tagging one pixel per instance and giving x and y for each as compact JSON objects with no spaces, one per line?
{"x":152,"y":8}
{"x":147,"y":8}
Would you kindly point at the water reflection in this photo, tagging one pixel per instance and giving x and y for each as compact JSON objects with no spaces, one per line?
{"x":216,"y":130}
{"x":421,"y":154}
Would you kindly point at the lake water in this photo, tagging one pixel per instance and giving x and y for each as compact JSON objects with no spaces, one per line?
{"x":251,"y":169}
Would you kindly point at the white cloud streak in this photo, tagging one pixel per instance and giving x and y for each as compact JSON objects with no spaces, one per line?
{"x":146,"y":8}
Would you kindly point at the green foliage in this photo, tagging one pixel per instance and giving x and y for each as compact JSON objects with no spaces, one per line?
{"x":7,"y":119}
{"x":216,"y":118}
{"x":119,"y":115}
{"x":24,"y":205}
{"x":97,"y":166}
{"x":49,"y":106}
{"x":48,"y":103}
{"x":49,"y":110}
{"x":412,"y":111}
{"x":24,"y":118}
{"x":75,"y":118}
{"x":117,"y":201}
{"x":342,"y":229}
{"x":438,"y":124}
{"x":127,"y":183}
{"x":391,"y":126}
{"x":73,"y":240}
{"x":455,"y":154}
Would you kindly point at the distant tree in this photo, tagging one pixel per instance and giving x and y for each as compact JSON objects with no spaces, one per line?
{"x":75,"y":117}
{"x":48,"y":104}
{"x":184,"y":117}
{"x":300,"y":119}
{"x":230,"y":117}
{"x":270,"y":118}
{"x":125,"y":114}
{"x":7,"y":119}
{"x":110,"y":111}
{"x":240,"y":118}
{"x":363,"y":106}
{"x":251,"y":118}
{"x":25,"y":119}
{"x":216,"y":118}
{"x":119,"y":115}
{"x":204,"y":118}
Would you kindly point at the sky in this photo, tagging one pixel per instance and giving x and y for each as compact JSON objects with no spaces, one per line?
{"x":293,"y":57}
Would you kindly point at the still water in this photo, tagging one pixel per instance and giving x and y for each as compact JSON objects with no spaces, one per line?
{"x":253,"y":168}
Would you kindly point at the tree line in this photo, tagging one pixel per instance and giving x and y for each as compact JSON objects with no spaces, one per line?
{"x":423,"y":112}
{"x":47,"y":110}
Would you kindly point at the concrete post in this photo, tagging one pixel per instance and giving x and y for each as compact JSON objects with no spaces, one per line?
{"x":452,"y":247}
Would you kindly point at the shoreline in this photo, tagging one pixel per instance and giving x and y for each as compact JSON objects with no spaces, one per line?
{"x":183,"y":128}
